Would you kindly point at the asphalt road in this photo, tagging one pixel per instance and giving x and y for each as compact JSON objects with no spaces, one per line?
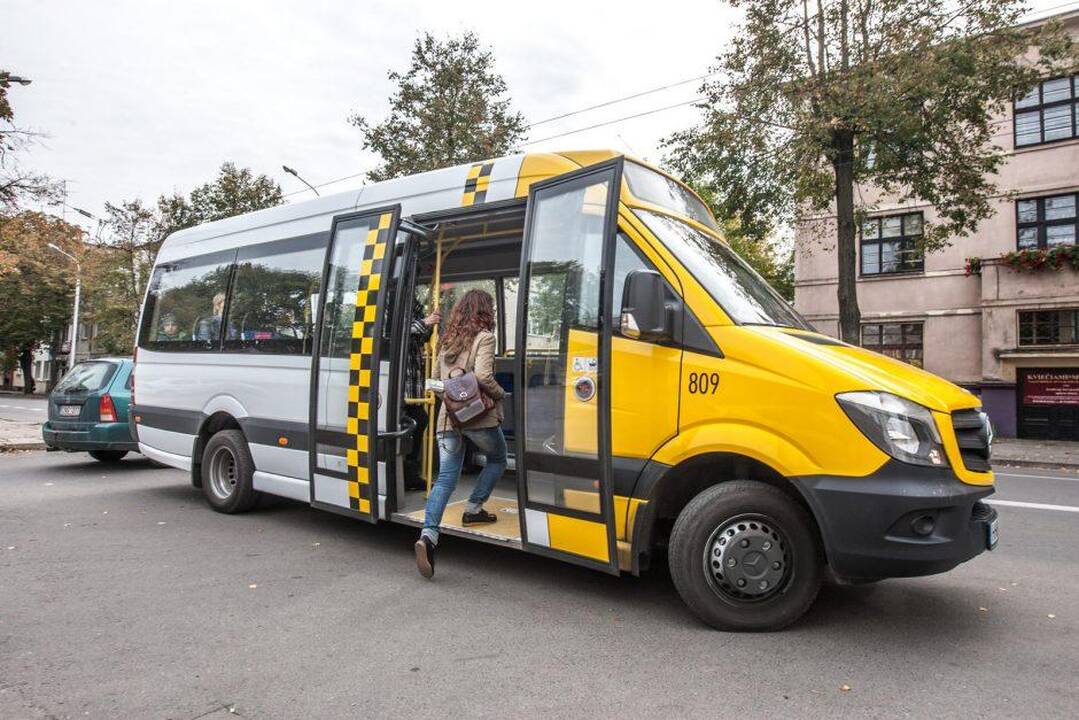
{"x":123,"y":596}
{"x":20,"y":409}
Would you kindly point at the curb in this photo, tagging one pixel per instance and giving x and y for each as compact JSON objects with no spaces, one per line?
{"x":1038,"y":464}
{"x":19,"y":447}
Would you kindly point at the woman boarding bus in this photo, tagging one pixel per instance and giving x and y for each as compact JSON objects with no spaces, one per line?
{"x":659,"y":396}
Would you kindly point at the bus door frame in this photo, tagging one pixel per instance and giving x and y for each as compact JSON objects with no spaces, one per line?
{"x":370,"y":399}
{"x":533,"y":511}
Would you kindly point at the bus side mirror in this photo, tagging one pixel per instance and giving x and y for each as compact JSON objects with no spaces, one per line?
{"x":644,"y":306}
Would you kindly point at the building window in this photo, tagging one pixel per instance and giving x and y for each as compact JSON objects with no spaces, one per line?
{"x":1050,"y":112}
{"x":902,"y":341}
{"x":891,"y":244}
{"x":1045,"y":222}
{"x":1049,"y":327}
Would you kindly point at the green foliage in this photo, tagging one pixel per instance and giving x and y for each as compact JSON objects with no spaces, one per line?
{"x":815,"y":98}
{"x":116,"y":273}
{"x":449,"y":108}
{"x":234,"y":192}
{"x":37,"y":282}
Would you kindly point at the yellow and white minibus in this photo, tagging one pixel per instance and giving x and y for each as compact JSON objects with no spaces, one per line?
{"x":662,"y":399}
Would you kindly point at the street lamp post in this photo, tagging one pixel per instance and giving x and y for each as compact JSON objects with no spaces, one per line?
{"x":75,"y":312}
{"x":296,"y":175}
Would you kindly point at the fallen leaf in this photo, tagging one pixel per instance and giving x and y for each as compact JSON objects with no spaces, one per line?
{"x":844,"y":688}
{"x":10,"y":547}
{"x":1050,"y":616}
{"x":983,"y":609}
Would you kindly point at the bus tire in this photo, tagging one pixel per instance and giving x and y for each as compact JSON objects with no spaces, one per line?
{"x":227,"y":469}
{"x":745,"y":556}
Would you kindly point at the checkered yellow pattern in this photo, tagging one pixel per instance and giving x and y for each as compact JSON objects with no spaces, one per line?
{"x":479,"y":177}
{"x":360,"y":393}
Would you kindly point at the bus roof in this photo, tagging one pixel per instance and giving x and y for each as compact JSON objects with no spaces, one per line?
{"x":501,"y":178}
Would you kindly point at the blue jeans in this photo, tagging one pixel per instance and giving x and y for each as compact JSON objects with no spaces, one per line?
{"x":451,"y":456}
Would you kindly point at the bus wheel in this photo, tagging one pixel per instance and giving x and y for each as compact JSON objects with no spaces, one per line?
{"x":227,"y":468}
{"x":744,"y":556}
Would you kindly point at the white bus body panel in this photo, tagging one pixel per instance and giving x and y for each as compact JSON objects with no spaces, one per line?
{"x":273,"y":388}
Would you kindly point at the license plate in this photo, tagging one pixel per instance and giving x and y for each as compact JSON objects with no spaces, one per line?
{"x":992,"y":534}
{"x":70,"y":410}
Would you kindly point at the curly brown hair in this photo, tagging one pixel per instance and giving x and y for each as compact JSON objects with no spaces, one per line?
{"x":475,"y":311}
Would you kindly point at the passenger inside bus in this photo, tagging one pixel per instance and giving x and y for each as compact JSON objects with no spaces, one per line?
{"x":467,"y":254}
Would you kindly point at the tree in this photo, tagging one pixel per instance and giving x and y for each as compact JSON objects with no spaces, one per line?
{"x":450,"y":108}
{"x":898,"y":94}
{"x":116,"y":272}
{"x":17,"y":184}
{"x":234,"y":192}
{"x":36,"y":285}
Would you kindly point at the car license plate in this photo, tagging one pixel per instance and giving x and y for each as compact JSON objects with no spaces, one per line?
{"x":992,"y":534}
{"x":70,"y":410}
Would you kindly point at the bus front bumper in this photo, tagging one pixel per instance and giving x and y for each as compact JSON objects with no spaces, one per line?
{"x":901,"y":521}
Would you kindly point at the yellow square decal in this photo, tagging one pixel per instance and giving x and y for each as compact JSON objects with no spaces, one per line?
{"x":380,"y":251}
{"x":384,"y":220}
{"x":352,"y":458}
{"x":352,"y":426}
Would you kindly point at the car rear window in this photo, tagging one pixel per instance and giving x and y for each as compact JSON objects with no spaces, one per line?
{"x":86,"y":377}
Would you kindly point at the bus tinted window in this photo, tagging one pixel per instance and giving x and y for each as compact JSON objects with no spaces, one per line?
{"x":274,"y":296}
{"x":651,"y":186}
{"x":186,"y":304}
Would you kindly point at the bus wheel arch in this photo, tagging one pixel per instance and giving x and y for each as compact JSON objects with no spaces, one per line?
{"x":672,"y":490}
{"x":211,"y":425}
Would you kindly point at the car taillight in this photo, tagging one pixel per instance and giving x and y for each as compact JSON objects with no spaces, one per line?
{"x":106,"y":410}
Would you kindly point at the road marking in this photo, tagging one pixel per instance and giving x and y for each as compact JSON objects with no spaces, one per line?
{"x":1038,"y":477}
{"x":1034,"y":506}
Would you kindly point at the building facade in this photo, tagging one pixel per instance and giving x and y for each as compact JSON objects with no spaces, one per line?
{"x":1003,"y":327}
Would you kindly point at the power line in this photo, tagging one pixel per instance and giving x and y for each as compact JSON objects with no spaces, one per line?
{"x":634,"y":96}
{"x":654,"y":90}
{"x":612,"y":122}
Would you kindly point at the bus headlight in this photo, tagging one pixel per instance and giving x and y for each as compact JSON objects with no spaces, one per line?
{"x":901,"y":428}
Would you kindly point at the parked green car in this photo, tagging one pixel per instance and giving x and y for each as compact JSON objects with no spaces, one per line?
{"x":88,"y":410}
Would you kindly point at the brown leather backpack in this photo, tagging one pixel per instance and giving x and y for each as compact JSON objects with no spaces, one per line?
{"x":462,"y":395}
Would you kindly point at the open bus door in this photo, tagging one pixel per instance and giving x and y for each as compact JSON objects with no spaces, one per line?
{"x":563,"y":423}
{"x":355,"y":373}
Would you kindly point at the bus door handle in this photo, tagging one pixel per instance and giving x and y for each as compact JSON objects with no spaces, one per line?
{"x":410,"y":427}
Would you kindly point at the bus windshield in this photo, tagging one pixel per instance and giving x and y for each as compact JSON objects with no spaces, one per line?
{"x":743,"y":294}
{"x":650,"y":186}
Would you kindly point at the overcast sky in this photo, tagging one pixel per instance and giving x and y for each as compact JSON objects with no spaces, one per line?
{"x":142,"y":97}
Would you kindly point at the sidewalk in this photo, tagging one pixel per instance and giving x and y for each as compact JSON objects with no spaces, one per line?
{"x":20,"y":436}
{"x":1036,"y":453}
